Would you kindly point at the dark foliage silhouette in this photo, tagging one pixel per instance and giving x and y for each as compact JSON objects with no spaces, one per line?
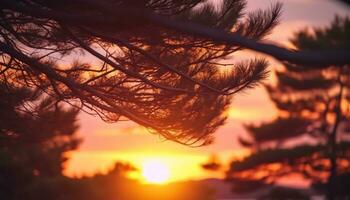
{"x":168,"y":81}
{"x":34,"y":135}
{"x":311,"y":135}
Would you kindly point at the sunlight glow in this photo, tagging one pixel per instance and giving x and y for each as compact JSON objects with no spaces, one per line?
{"x":155,"y":171}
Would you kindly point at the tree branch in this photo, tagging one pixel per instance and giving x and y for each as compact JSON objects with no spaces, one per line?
{"x":310,"y":58}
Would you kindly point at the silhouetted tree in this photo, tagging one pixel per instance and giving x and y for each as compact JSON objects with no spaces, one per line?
{"x":165,"y":79}
{"x":34,"y":135}
{"x":311,"y":134}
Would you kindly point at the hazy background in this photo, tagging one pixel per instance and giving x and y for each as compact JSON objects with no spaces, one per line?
{"x":105,"y":143}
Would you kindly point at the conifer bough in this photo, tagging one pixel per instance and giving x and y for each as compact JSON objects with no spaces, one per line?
{"x":155,"y":62}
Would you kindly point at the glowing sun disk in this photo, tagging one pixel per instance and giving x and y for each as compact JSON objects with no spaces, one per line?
{"x":155,"y":171}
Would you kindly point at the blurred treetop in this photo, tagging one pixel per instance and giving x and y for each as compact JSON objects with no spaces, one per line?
{"x":311,"y":134}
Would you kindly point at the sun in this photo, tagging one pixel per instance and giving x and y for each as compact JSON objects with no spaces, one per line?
{"x":154,"y":171}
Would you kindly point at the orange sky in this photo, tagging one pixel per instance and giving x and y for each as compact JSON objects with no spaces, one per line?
{"x":106,"y":143}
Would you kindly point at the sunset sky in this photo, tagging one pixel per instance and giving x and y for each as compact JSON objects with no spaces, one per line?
{"x":125,"y":141}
